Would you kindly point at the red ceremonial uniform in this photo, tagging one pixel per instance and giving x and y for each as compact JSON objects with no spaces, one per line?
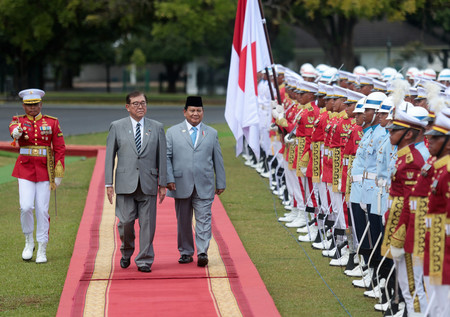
{"x":437,"y":238}
{"x":317,"y":138}
{"x":412,"y":218}
{"x":304,"y":130}
{"x":407,"y":168}
{"x":349,"y":152}
{"x":327,"y":176}
{"x":337,"y":142}
{"x":39,"y":133}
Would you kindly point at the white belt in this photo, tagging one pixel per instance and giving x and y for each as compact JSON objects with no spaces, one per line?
{"x":357,"y":178}
{"x":428,"y":222}
{"x":367,"y":175}
{"x":33,"y":151}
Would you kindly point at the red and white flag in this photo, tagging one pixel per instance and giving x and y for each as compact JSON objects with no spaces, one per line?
{"x":249,"y":54}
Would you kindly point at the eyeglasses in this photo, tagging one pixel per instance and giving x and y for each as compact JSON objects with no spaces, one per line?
{"x":137,"y":104}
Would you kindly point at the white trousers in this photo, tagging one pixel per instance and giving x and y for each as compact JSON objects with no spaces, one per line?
{"x":293,"y":185}
{"x":324,"y":203}
{"x":402,"y":272}
{"x":34,"y":196}
{"x":440,"y":307}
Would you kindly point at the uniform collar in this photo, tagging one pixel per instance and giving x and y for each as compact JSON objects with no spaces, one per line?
{"x":38,"y":117}
{"x":404,"y":151}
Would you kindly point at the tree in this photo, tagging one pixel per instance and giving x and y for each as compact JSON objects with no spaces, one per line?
{"x":64,"y":34}
{"x":331,"y":23}
{"x":184,"y":29}
{"x":434,"y":18}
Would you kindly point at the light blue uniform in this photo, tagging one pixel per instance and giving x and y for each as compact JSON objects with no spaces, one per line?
{"x":422,"y":148}
{"x":383,"y":173}
{"x":369,"y":187}
{"x":356,"y":192}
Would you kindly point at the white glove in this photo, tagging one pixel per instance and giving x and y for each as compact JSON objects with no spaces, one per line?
{"x":280,"y":109}
{"x":276,"y":115}
{"x":273,"y":104}
{"x":303,"y":170}
{"x":288,"y":140}
{"x":397,"y":252}
{"x":17,"y":132}
{"x":58,"y":181}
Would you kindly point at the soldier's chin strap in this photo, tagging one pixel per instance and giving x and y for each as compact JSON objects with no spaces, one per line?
{"x":401,"y":138}
{"x":442,"y":147}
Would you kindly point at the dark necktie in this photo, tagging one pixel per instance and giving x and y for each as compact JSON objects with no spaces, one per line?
{"x":137,"y":138}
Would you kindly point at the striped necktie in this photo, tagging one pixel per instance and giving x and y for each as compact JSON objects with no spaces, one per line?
{"x":137,"y":138}
{"x":194,"y":135}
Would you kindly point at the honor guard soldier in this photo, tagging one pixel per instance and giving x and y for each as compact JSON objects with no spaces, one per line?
{"x":403,"y":133}
{"x":437,"y":219}
{"x":303,"y":133}
{"x":39,"y":168}
{"x":338,"y":134}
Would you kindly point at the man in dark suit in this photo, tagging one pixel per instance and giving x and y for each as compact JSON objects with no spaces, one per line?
{"x":140,"y":146}
{"x":195,"y":172}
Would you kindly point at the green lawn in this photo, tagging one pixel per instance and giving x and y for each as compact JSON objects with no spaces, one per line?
{"x":286,"y":266}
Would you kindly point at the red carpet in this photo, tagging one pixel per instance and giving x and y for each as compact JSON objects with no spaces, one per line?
{"x":96,"y":285}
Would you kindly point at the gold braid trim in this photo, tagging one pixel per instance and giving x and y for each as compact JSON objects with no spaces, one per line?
{"x":301,"y":146}
{"x":398,"y":237}
{"x":391,"y":223}
{"x":419,"y":224}
{"x":282,"y":122}
{"x":348,"y":186}
{"x":51,"y":168}
{"x":437,"y":247}
{"x":59,"y":170}
{"x":336,"y":168}
{"x":316,"y":162}
{"x":291,"y":155}
{"x":304,"y":161}
{"x":411,"y":284}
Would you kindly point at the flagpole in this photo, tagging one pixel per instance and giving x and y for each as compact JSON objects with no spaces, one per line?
{"x":275,"y":76}
{"x":270,"y":85}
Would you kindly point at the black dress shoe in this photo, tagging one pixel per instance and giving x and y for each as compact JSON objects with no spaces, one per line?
{"x":185,"y":259}
{"x":145,"y":269}
{"x":202,"y":259}
{"x":124,"y":263}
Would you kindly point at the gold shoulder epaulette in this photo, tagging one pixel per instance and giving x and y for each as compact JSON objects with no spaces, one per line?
{"x":47,"y":116}
{"x":409,"y":158}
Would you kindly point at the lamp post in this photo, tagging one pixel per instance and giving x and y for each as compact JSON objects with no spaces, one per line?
{"x":388,"y":49}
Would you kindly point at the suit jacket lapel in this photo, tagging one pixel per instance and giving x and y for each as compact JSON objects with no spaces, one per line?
{"x":130,"y":134}
{"x":202,"y":135}
{"x":145,"y":134}
{"x":186,"y":134}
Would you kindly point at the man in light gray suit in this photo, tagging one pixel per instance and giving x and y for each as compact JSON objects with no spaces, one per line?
{"x":195,"y":172}
{"x":140,"y":146}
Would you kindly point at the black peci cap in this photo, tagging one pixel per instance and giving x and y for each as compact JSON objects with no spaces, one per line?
{"x":193,"y":101}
